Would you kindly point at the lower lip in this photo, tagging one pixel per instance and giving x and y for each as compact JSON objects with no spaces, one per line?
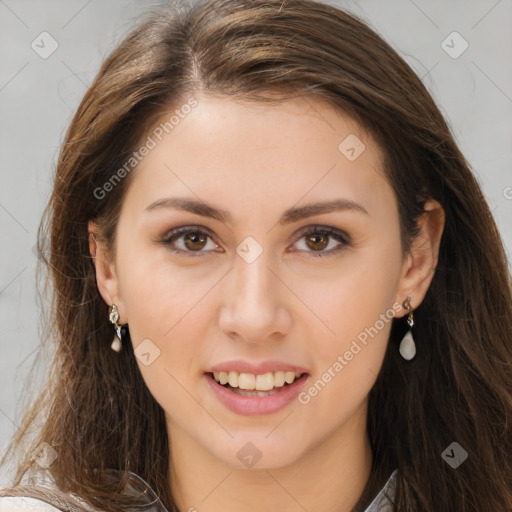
{"x":253,"y":405}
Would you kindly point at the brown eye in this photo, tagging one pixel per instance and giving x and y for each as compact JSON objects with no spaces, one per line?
{"x":321,"y":241}
{"x":195,"y":241}
{"x":317,"y":242}
{"x":190,"y":241}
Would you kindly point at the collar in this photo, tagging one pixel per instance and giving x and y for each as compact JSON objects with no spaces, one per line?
{"x":382,"y":502}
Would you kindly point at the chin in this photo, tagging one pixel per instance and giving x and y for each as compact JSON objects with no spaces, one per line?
{"x":257,"y":450}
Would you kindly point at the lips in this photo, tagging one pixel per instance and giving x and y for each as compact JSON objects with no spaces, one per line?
{"x":255,"y":368}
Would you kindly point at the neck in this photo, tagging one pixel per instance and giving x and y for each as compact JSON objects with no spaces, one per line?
{"x":329,"y":477}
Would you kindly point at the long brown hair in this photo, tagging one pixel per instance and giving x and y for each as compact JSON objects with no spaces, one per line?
{"x":97,"y":412}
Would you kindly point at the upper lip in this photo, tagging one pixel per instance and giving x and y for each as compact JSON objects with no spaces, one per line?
{"x":257,"y":369}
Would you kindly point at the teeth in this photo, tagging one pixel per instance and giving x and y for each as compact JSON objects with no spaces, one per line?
{"x":244,"y":392}
{"x":279,"y":379}
{"x":233,"y":379}
{"x":249,"y":381}
{"x":289,"y":377}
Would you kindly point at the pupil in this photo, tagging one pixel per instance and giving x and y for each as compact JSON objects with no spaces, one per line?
{"x":320,"y":241}
{"x":195,"y":238}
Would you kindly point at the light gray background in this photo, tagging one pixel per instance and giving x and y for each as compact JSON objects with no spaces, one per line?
{"x":38,"y":98}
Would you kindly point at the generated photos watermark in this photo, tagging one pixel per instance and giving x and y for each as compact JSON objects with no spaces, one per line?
{"x":344,"y":359}
{"x":152,"y":141}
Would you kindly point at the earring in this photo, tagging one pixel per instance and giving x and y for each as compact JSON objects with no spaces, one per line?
{"x":117,"y":343}
{"x":407,"y":345}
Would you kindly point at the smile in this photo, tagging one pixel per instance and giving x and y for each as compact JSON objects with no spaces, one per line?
{"x":250,"y":394}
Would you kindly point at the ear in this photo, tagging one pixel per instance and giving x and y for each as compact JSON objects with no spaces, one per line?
{"x":421,"y":262}
{"x":106,"y":276}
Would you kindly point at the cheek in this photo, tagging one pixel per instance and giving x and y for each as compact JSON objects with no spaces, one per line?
{"x":355,"y":305}
{"x":156,"y":293}
{"x":354,"y":294}
{"x":164,"y":314}
{"x":347,"y":360}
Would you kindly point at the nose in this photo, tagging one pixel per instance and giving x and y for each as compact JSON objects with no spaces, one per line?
{"x":255,"y":305}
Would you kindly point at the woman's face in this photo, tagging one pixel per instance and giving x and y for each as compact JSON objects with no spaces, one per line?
{"x":246,"y":289}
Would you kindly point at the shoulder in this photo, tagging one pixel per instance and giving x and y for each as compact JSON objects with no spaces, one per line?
{"x":20,"y":504}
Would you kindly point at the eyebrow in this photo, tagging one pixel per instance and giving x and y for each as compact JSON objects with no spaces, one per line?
{"x":293,"y":214}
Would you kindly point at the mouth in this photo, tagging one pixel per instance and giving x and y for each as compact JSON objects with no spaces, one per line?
{"x":256,"y":385}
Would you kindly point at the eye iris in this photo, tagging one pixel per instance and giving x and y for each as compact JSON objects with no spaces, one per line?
{"x":195,"y":238}
{"x":320,"y":241}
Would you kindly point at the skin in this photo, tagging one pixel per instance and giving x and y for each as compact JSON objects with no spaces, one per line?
{"x":287,"y":304}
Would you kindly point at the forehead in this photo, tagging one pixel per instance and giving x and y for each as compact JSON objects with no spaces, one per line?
{"x":249,"y":155}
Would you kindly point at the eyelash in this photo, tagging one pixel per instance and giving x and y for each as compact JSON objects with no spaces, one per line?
{"x":339,"y":236}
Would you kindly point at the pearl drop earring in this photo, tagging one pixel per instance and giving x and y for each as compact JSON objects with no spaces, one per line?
{"x":113,"y":316}
{"x":407,"y":345}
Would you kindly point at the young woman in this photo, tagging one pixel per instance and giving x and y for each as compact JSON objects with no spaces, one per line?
{"x":309,"y":298}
